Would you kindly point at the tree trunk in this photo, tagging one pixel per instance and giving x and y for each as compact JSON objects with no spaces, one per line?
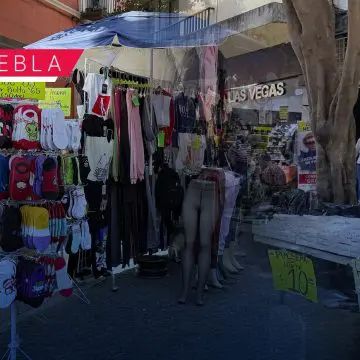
{"x":332,"y":95}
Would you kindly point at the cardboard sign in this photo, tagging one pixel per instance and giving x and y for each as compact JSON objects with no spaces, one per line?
{"x":284,"y":113}
{"x":294,"y":273}
{"x":62,"y":96}
{"x":22,"y":90}
{"x":303,"y":126}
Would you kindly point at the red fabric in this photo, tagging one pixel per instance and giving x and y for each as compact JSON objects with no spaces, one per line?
{"x":101,"y":105}
{"x":32,"y":177}
{"x":169,"y":130}
{"x":20,"y":188}
{"x":62,"y":216}
{"x":49,"y":186}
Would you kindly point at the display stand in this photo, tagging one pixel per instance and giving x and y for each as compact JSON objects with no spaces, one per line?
{"x":14,"y":345}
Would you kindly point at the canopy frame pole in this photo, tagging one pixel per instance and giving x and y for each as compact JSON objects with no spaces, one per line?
{"x":151,"y":103}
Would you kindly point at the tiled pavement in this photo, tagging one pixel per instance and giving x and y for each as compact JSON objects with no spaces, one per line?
{"x":143,"y":321}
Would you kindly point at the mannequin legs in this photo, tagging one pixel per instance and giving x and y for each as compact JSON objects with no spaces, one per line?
{"x":213,"y":279}
{"x":199,"y":209}
{"x":228,"y":265}
{"x":233,"y":260}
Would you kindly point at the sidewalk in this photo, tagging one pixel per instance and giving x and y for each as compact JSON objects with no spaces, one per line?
{"x":143,"y":321}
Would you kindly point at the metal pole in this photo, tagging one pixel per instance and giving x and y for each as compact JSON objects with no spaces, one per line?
{"x":151,"y":104}
{"x":14,"y":340}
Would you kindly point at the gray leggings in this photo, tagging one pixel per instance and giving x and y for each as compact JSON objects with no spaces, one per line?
{"x":200,"y":213}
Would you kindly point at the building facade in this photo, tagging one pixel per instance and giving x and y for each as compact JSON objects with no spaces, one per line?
{"x":25,"y":21}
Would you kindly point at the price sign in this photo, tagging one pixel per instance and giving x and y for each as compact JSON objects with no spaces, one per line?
{"x":293,"y":272}
{"x":355,"y":265}
{"x":62,"y":96}
{"x":161,"y":139}
{"x":22,"y":90}
{"x":196,"y":143}
{"x":284,"y":113}
{"x":303,"y":126}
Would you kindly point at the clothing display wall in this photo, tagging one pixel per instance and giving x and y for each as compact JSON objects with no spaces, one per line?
{"x":36,"y":177}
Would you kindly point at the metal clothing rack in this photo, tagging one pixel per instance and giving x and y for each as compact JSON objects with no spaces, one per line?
{"x":14,"y":345}
{"x":28,"y":102}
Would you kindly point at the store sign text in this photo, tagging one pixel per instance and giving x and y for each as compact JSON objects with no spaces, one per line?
{"x":38,"y":62}
{"x":257,"y":92}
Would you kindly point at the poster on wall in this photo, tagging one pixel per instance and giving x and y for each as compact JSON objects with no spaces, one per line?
{"x":306,"y":157}
{"x":284,"y":113}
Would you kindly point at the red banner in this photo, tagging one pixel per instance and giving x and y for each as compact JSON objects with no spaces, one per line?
{"x":38,"y":63}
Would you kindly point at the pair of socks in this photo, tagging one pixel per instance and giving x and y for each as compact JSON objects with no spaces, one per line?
{"x":53,"y":134}
{"x":26,"y":125}
{"x":35,"y":227}
{"x":73,"y":134}
{"x":77,"y":204}
{"x":57,"y":224}
{"x":71,"y":172}
{"x":63,"y":280}
{"x":81,"y":237}
{"x":48,"y":264}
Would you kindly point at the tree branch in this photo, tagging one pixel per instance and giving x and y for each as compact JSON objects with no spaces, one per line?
{"x":350,"y":78}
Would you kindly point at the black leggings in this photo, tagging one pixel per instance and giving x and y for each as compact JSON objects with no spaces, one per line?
{"x":134,"y":218}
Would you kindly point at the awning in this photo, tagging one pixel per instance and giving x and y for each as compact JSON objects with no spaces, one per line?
{"x":137,"y":30}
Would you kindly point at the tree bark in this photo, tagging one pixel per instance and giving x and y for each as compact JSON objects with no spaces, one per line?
{"x":332,"y":95}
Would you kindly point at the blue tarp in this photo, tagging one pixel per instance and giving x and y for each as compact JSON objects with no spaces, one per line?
{"x":135,"y":29}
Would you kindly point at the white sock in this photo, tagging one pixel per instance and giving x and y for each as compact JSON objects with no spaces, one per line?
{"x":76,"y":238}
{"x":63,"y":281}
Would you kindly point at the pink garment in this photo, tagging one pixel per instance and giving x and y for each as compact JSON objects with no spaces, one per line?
{"x":117,"y":113}
{"x":209,"y":65}
{"x":137,"y":157}
{"x":209,"y":103}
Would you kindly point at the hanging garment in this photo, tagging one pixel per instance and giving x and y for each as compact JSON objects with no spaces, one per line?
{"x":114,"y":253}
{"x":152,"y":234}
{"x":115,"y":111}
{"x":98,"y":220}
{"x":133,"y":216}
{"x":124,"y":149}
{"x":185,"y":114}
{"x":169,"y":129}
{"x":137,"y":157}
{"x":191,"y":151}
{"x":208,"y":67}
{"x":98,"y":91}
{"x":149,"y":130}
{"x":161,"y":105}
{"x":218,"y":177}
{"x":232,"y":187}
{"x":99,"y":151}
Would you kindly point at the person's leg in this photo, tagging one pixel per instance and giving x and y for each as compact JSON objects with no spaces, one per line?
{"x":190,"y":217}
